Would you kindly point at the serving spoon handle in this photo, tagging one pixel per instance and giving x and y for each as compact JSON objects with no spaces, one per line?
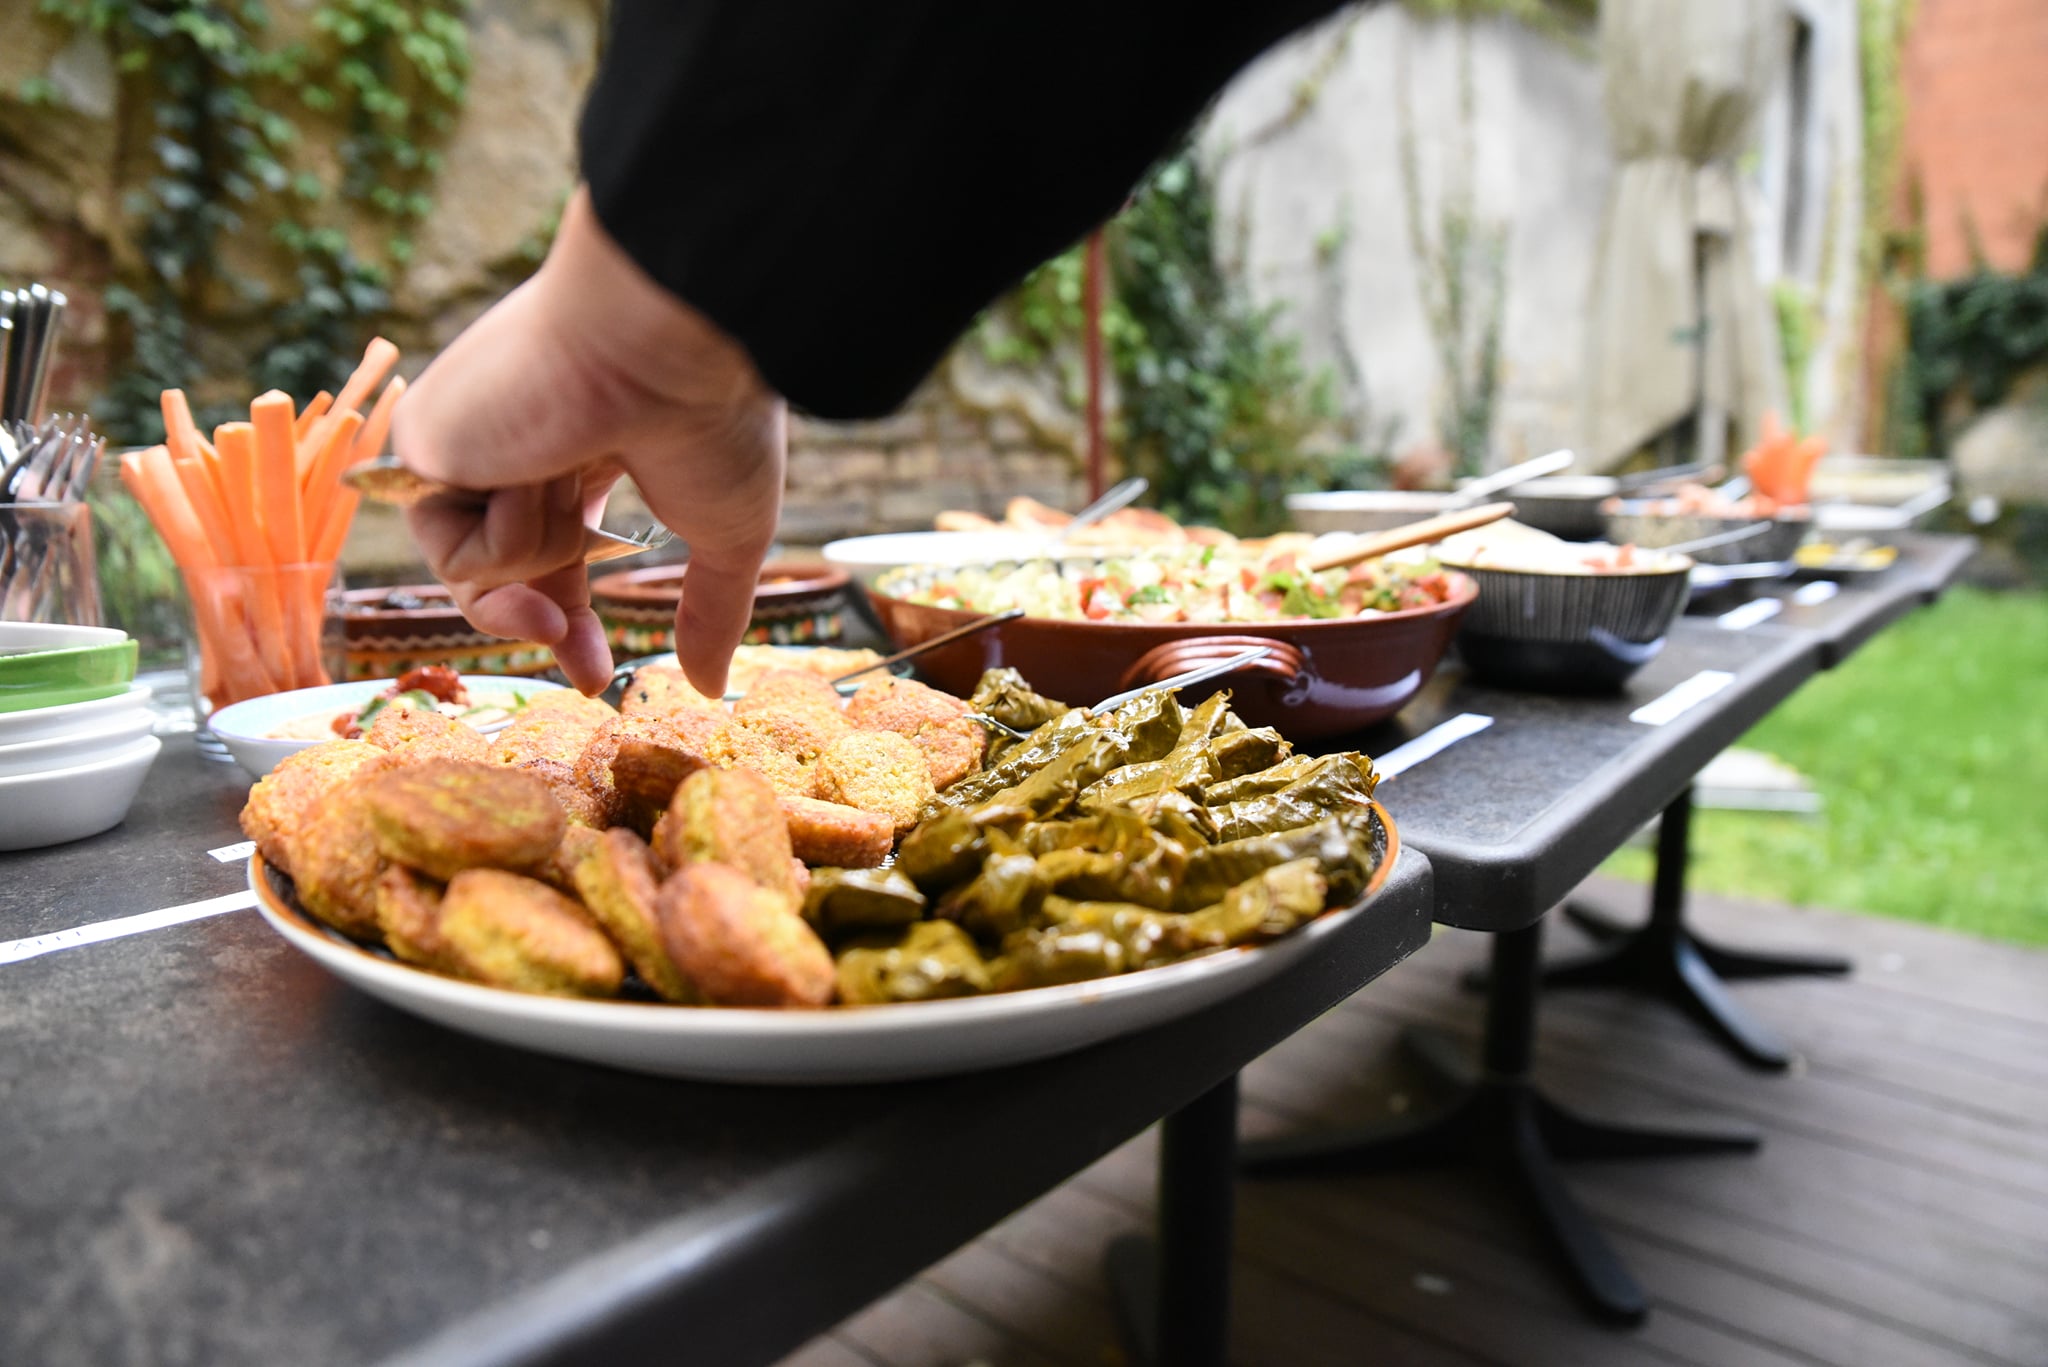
{"x":1414,"y":534}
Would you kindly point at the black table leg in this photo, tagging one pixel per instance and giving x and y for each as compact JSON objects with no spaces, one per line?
{"x":1172,"y":1295}
{"x":1666,"y":960}
{"x":1496,"y":1119}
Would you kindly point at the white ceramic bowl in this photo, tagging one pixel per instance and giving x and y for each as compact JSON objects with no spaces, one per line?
{"x":57,"y":805}
{"x":245,"y":727}
{"x":44,"y":723}
{"x":117,"y":732}
{"x":867,"y":557}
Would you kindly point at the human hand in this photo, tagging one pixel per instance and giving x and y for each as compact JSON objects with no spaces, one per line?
{"x":588,"y":371}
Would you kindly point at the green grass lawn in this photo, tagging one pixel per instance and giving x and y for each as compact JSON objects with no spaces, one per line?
{"x":1930,"y":749}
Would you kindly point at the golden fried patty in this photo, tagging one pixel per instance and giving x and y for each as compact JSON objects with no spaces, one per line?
{"x":876,"y":771}
{"x":731,"y":817}
{"x":409,"y":915}
{"x":411,"y":735}
{"x":937,"y":723}
{"x":335,"y":861}
{"x":618,"y":879}
{"x":834,"y":835}
{"x":511,"y":931}
{"x":444,"y":816}
{"x":742,"y":944}
{"x":289,"y":797}
{"x":656,"y":690}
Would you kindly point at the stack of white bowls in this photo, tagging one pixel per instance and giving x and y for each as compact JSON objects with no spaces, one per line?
{"x":75,"y":737}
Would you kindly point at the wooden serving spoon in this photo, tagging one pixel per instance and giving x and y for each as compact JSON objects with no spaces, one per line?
{"x":1414,"y":534}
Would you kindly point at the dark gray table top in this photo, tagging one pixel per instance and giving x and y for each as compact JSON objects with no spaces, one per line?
{"x":217,"y":1154}
{"x":1514,"y":817}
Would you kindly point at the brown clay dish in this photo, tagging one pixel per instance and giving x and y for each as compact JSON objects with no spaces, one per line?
{"x":1324,"y":677}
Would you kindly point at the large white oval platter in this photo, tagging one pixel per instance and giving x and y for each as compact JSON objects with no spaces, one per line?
{"x":889,"y":1043}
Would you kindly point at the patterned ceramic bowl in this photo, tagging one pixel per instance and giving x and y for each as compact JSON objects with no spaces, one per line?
{"x":796,"y":604}
{"x":1570,"y":632}
{"x":389,"y":631}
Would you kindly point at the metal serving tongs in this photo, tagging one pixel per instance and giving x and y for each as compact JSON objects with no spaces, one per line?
{"x":384,"y":480}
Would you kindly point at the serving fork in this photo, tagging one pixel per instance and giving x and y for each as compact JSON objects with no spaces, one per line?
{"x":384,"y":480}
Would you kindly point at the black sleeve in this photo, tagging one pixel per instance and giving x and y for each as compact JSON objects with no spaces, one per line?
{"x":842,"y":186}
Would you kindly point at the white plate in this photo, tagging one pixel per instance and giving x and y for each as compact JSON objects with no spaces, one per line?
{"x":867,"y":557}
{"x":69,"y":804}
{"x":100,"y":741}
{"x":889,"y":1043}
{"x":44,"y":723}
{"x":244,"y":727}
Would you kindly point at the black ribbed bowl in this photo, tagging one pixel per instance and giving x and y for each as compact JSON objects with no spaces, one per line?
{"x":1569,"y":633}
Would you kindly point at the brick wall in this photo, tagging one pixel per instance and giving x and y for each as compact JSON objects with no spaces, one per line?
{"x":1976,"y":87}
{"x":896,"y":474}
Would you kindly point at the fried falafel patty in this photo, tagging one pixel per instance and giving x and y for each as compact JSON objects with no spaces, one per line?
{"x":579,"y":804}
{"x":731,"y":817}
{"x":937,"y":723}
{"x":648,"y":767}
{"x":740,"y":943}
{"x":287,"y":799}
{"x":594,"y":765}
{"x":876,"y":771}
{"x":444,"y":816}
{"x":619,"y":880}
{"x":558,"y":733}
{"x":739,"y":747}
{"x":409,"y":915}
{"x":511,"y":931}
{"x":335,"y":861}
{"x":412,"y":735}
{"x":786,"y":688}
{"x":834,"y":835}
{"x":657,"y":690}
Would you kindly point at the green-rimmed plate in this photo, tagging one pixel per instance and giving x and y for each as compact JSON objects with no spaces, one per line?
{"x":49,"y":665}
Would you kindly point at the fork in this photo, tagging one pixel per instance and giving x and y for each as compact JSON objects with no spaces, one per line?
{"x":384,"y":480}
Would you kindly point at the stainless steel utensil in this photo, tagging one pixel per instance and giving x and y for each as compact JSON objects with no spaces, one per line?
{"x":1470,"y":493}
{"x":1116,"y":497}
{"x":945,"y":638}
{"x":384,"y":480}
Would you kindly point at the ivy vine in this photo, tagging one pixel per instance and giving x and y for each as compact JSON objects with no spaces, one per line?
{"x":227,"y":163}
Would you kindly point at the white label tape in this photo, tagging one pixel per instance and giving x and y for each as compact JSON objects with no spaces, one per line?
{"x":13,"y":951}
{"x":1750,"y":613}
{"x":234,"y":854}
{"x":1438,"y":738}
{"x":1685,"y":696}
{"x":1819,"y":591}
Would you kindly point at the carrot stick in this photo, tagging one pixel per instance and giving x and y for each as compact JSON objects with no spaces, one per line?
{"x":277,"y":477}
{"x":370,"y":444}
{"x":334,"y":531}
{"x":236,"y":443}
{"x":207,"y":508}
{"x":310,"y":414}
{"x":181,"y":434}
{"x":378,"y":358}
{"x":323,"y":481}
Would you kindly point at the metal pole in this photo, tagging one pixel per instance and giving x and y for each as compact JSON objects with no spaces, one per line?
{"x":1091,"y":343}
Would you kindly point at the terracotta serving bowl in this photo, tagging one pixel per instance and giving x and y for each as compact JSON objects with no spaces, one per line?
{"x":388,"y":631}
{"x":1324,"y":678}
{"x":796,"y":604}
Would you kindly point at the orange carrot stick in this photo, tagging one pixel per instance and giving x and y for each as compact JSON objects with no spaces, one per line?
{"x":181,"y":434}
{"x":277,"y":477}
{"x":310,"y":414}
{"x":207,"y":508}
{"x":378,"y":358}
{"x":236,"y":442}
{"x":334,"y":531}
{"x":323,"y":481}
{"x":370,"y":444}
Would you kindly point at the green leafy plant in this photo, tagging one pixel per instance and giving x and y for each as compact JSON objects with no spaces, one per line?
{"x":1967,"y":340}
{"x":225,"y":164}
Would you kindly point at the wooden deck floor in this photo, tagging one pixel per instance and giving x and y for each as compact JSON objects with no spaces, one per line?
{"x":1897,"y":1215}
